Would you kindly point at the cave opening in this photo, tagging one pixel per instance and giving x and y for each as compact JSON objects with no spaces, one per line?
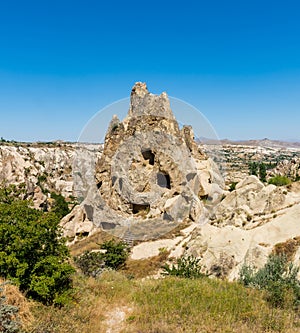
{"x":140,"y":208}
{"x":149,"y":155}
{"x":163,"y":180}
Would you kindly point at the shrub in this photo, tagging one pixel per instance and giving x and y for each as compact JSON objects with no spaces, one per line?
{"x":90,"y":263}
{"x":186,"y":267}
{"x":116,"y":253}
{"x":279,"y":180}
{"x":32,"y":252}
{"x":232,"y":186}
{"x":11,"y":193}
{"x":253,"y":168}
{"x":262,"y":172}
{"x":93,"y":263}
{"x":9,"y":322}
{"x":277,"y":277}
{"x":60,"y":206}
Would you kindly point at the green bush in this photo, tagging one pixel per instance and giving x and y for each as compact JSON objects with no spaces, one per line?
{"x":262,"y":172}
{"x":60,"y":206}
{"x":277,"y":277}
{"x":93,"y":263}
{"x":12,"y":192}
{"x":32,"y":252}
{"x":232,"y":186}
{"x":116,"y":253}
{"x":186,"y":267}
{"x":253,"y":168}
{"x":9,"y":322}
{"x":279,"y":180}
{"x":90,"y":263}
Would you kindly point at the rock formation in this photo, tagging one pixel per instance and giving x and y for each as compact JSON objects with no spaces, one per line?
{"x":39,"y":168}
{"x":251,"y":200}
{"x":151,"y":175}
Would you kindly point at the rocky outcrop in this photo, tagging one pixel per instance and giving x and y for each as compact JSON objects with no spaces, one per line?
{"x":245,"y":227}
{"x":250,"y":204}
{"x":223,"y":251}
{"x":151,"y":175}
{"x":48,"y":168}
{"x":288,"y":167}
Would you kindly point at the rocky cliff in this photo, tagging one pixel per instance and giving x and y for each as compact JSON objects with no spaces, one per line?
{"x":150,"y":177}
{"x":40,"y":168}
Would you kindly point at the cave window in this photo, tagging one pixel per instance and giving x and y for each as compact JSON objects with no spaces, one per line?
{"x":149,"y":155}
{"x":163,"y":180}
{"x":139,"y":208}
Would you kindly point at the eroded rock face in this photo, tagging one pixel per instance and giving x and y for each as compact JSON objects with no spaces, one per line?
{"x":245,"y":227}
{"x":150,"y":176}
{"x":245,"y":206}
{"x":38,"y":169}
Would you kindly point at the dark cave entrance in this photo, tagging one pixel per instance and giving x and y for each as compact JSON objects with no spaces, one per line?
{"x":140,"y":208}
{"x":163,"y":180}
{"x":149,"y":155}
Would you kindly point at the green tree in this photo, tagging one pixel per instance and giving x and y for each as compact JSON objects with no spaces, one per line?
{"x":32,"y":252}
{"x":262,"y":172}
{"x":114,"y":256}
{"x":186,"y":267}
{"x":60,"y":206}
{"x":91,"y":263}
{"x":253,"y":168}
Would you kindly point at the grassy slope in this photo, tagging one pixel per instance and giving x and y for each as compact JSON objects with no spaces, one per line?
{"x":163,"y":306}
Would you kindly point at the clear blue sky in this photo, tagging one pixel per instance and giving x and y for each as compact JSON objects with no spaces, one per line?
{"x":238,"y":62}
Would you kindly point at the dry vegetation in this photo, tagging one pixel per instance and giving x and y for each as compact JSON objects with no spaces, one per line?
{"x":90,"y":243}
{"x":16,"y":298}
{"x":145,"y":267}
{"x":162,"y":306}
{"x":288,"y":248}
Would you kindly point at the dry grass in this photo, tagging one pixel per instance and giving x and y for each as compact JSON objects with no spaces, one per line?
{"x":145,"y":267}
{"x":289,"y":248}
{"x":90,"y":309}
{"x":90,"y":243}
{"x":163,"y":306}
{"x":16,"y":298}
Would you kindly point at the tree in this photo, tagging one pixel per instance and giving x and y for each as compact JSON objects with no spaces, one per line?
{"x":32,"y":252}
{"x":186,"y":267}
{"x":262,"y":172}
{"x":253,"y":168}
{"x":60,"y":206}
{"x":93,"y":263}
{"x":116,"y":253}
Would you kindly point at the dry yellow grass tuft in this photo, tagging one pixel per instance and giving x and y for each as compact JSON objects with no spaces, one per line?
{"x":16,"y":298}
{"x":145,"y":267}
{"x":289,"y":248}
{"x":90,"y":243}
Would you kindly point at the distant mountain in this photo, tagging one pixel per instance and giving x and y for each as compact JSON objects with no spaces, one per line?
{"x":262,"y":143}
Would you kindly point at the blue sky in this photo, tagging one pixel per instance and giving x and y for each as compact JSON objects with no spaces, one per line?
{"x":238,"y":62}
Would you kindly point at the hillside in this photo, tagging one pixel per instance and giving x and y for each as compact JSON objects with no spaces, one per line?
{"x":168,"y":198}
